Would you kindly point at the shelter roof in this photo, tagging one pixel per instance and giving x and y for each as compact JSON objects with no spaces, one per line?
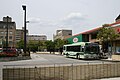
{"x":117,"y":18}
{"x":98,"y":28}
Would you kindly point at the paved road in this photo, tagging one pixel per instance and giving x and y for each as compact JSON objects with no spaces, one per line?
{"x":44,"y":59}
{"x":38,"y":59}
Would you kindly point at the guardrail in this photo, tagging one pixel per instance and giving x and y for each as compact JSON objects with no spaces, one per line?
{"x":75,"y":71}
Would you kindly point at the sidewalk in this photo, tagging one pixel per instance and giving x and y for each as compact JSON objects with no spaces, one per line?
{"x":110,"y":59}
{"x":116,"y":78}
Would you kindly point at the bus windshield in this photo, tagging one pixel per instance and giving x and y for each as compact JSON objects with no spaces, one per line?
{"x":92,"y":49}
{"x":73,"y":48}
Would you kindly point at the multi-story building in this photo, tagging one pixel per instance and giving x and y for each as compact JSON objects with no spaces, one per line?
{"x":62,"y":34}
{"x":36,"y":38}
{"x":20,"y":34}
{"x":15,"y":35}
{"x":8,"y":23}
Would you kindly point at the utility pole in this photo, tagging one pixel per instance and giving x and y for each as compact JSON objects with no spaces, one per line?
{"x":24,"y":8}
{"x":7,"y":34}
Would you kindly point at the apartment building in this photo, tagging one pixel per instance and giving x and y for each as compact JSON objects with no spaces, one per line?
{"x":36,"y":38}
{"x":8,"y":23}
{"x":20,"y":34}
{"x":62,"y":34}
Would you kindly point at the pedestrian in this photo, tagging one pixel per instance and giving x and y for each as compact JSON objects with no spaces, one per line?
{"x":61,"y":50}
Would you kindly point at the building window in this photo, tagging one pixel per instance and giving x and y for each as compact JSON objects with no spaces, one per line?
{"x":1,"y":37}
{"x":11,"y":27}
{"x":11,"y":32}
{"x":1,"y":32}
{"x":10,"y":42}
{"x":4,"y":27}
{"x":10,"y":37}
{"x":93,"y":36}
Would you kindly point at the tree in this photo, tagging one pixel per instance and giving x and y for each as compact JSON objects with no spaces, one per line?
{"x":20,"y":44}
{"x":32,"y":46}
{"x":59,"y":44}
{"x":41,"y":45}
{"x":107,"y":34}
{"x":55,"y":45}
{"x":50,"y":45}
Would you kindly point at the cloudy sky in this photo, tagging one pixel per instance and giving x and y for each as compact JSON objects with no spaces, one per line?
{"x":47,"y":16}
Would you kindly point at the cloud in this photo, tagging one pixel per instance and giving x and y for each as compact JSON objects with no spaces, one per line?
{"x":73,"y":19}
{"x":74,"y":16}
{"x":34,"y":20}
{"x":70,"y":20}
{"x":40,"y":22}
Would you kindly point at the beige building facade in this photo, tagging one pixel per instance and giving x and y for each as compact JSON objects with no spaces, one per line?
{"x":20,"y":34}
{"x":7,"y":22}
{"x":62,"y":34}
{"x":36,"y":38}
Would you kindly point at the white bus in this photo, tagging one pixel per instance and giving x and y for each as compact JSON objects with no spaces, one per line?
{"x":82,"y":50}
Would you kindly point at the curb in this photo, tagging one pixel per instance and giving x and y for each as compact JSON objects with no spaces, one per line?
{"x":107,"y":60}
{"x":6,"y":59}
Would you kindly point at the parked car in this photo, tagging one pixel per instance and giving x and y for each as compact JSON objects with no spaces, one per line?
{"x":10,"y":52}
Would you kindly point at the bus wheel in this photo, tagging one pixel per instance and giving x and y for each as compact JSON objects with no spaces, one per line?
{"x":67,"y":55}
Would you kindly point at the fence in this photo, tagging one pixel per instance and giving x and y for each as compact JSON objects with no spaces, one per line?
{"x":75,"y":71}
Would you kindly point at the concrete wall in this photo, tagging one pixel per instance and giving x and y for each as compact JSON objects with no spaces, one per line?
{"x":58,"y":72}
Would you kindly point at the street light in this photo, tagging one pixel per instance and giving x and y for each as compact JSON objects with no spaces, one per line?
{"x":24,"y":8}
{"x":7,"y":34}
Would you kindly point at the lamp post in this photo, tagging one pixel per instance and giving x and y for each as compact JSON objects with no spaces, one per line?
{"x":7,"y":34}
{"x":24,"y":8}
